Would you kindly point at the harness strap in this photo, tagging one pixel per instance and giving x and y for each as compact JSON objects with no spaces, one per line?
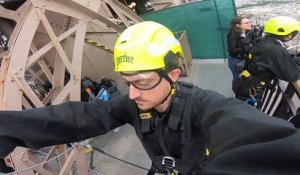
{"x":146,"y":126}
{"x":159,"y":159}
{"x":176,"y":114}
{"x":154,"y":169}
{"x":178,"y":105}
{"x":166,"y":163}
{"x":170,"y":164}
{"x":254,"y":84}
{"x":161,"y":139}
{"x":146,"y":122}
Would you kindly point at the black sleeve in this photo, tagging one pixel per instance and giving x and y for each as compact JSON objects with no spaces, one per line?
{"x":59,"y":124}
{"x":283,"y":65}
{"x":297,"y":60}
{"x":233,"y":47}
{"x":242,"y":140}
{"x":253,"y":36}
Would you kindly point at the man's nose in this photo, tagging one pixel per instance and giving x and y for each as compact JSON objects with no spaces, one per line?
{"x":134,"y":92}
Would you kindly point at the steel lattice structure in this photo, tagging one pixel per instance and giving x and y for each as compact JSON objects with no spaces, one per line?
{"x":56,"y":43}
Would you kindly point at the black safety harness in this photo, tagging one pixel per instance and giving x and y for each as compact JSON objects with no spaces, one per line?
{"x":151,"y":124}
{"x":256,"y":87}
{"x":175,"y":114}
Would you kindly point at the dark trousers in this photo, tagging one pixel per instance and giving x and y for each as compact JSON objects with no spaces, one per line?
{"x":232,"y":66}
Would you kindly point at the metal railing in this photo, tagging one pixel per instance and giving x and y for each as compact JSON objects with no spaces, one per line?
{"x":281,"y":100}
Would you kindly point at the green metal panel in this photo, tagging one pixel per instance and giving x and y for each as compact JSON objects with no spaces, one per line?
{"x":206,"y":22}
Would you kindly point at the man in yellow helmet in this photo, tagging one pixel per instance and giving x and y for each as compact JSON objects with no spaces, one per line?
{"x":268,"y":59}
{"x":177,"y":123}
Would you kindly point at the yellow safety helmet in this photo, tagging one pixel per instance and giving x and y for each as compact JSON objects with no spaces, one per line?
{"x":144,"y":46}
{"x":281,"y":25}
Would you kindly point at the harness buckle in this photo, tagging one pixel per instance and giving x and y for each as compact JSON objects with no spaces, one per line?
{"x":169,"y":164}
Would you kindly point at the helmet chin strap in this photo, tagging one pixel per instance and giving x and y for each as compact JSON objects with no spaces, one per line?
{"x":163,"y":74}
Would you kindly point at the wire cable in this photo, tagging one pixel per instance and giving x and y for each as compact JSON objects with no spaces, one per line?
{"x":69,"y":149}
{"x":41,"y":164}
{"x":121,"y":160}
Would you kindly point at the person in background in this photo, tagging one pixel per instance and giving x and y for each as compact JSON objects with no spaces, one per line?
{"x":269,"y":60}
{"x":184,"y":129}
{"x":258,"y":29}
{"x":239,"y":40}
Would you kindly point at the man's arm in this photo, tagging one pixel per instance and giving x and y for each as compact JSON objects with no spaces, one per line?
{"x":283,"y":65}
{"x":242,"y":140}
{"x":58,"y":124}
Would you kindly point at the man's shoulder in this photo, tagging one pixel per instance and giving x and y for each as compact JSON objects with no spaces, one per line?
{"x":265,"y":45}
{"x":196,"y":89}
{"x":232,"y":34}
{"x":206,"y":96}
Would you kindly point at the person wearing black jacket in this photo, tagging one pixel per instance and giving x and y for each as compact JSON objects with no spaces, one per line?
{"x":269,"y":59}
{"x":175,"y":121}
{"x":239,"y":41}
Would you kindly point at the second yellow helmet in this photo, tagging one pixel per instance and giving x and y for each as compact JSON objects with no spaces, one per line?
{"x":281,"y":25}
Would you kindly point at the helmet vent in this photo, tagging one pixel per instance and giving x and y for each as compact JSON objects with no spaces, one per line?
{"x":280,"y":30}
{"x":123,"y":42}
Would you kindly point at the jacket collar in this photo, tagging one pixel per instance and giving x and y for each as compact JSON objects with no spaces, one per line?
{"x":274,"y":40}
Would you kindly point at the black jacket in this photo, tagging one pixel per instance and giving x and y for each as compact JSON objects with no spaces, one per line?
{"x":239,"y":46}
{"x":241,"y":139}
{"x":271,"y":60}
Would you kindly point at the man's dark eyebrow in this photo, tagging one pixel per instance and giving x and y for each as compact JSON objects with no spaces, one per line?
{"x":136,"y":81}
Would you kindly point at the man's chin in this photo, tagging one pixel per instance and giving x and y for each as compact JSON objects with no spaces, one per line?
{"x":144,"y":107}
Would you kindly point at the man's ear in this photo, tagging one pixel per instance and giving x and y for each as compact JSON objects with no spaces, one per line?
{"x":287,"y":38}
{"x":174,"y":74}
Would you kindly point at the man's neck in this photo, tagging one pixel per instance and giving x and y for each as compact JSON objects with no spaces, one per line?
{"x":164,"y":106}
